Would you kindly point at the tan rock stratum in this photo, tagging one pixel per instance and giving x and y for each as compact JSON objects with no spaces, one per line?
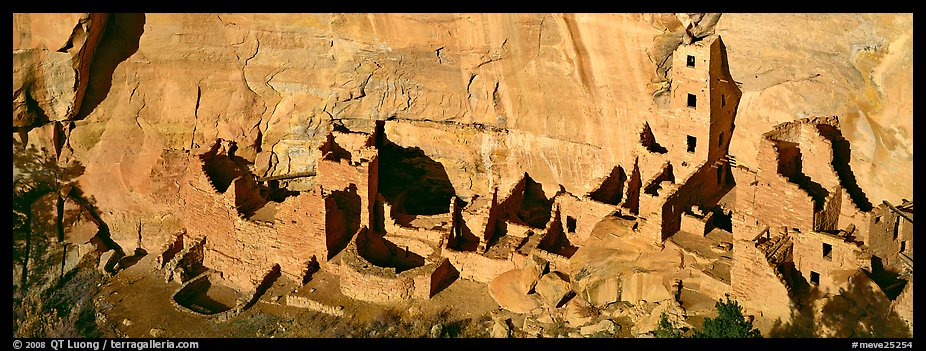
{"x":571,"y":89}
{"x":534,"y":121}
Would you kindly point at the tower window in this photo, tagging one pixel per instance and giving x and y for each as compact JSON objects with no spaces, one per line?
{"x":691,"y":62}
{"x":877,"y":219}
{"x":570,"y":224}
{"x":827,"y":251}
{"x":723,"y":100}
{"x":903,"y":246}
{"x":692,"y":100}
{"x":814,"y":278}
{"x":692,"y":143}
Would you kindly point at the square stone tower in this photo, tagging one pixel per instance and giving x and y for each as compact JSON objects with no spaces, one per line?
{"x":704,"y":102}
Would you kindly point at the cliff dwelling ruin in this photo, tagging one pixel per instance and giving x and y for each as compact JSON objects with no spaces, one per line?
{"x":395,"y":212}
{"x":385,"y":218}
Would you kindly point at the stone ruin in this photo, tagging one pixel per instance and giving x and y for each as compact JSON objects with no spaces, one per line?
{"x":386,"y":220}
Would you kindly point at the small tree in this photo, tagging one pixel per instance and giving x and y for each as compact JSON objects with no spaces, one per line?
{"x":730,"y":323}
{"x":665,"y":329}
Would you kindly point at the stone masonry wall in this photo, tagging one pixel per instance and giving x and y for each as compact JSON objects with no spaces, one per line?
{"x":809,"y":257}
{"x":778,"y":202}
{"x":475,"y":266}
{"x":756,"y":283}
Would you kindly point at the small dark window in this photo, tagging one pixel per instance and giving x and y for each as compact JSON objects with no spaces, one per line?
{"x":827,"y":251}
{"x":720,"y":140}
{"x":719,"y":175}
{"x":691,"y":62}
{"x":692,"y":100}
{"x":723,"y":100}
{"x":692,"y":143}
{"x":570,"y":224}
{"x":814,"y":278}
{"x":877,"y":219}
{"x":903,"y":246}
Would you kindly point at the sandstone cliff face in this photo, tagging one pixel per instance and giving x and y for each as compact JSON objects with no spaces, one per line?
{"x":561,"y":96}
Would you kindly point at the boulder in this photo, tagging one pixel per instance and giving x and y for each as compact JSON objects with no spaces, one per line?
{"x":552,"y":289}
{"x":501,"y":328}
{"x":578,"y":312}
{"x":108,"y":260}
{"x":505,"y":290}
{"x":605,"y":326}
{"x":533,"y":269}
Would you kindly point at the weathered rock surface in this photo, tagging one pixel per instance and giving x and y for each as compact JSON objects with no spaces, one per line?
{"x":52,"y":54}
{"x":533,"y":269}
{"x":644,"y":286}
{"x":509,"y":294}
{"x":552,"y":288}
{"x":578,"y":312}
{"x":490,"y":96}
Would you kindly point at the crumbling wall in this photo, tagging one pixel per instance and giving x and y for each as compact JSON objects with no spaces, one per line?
{"x":362,"y":280}
{"x":479,"y":219}
{"x":475,"y":266}
{"x":744,"y":219}
{"x":725,"y":96}
{"x":903,"y":305}
{"x":851,"y":215}
{"x":779,"y":202}
{"x":886,"y":235}
{"x":186,"y":263}
{"x":827,"y":219}
{"x":339,"y":175}
{"x":757,"y":284}
{"x":634,"y":186}
{"x":219,"y":168}
{"x":843,"y":256}
{"x":580,"y":215}
{"x":554,"y":238}
{"x":248,"y":195}
{"x":611,"y":190}
{"x":513,"y":200}
{"x":205,"y":213}
{"x":169,"y":251}
{"x":556,"y":262}
{"x":696,"y":223}
{"x":817,"y":154}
